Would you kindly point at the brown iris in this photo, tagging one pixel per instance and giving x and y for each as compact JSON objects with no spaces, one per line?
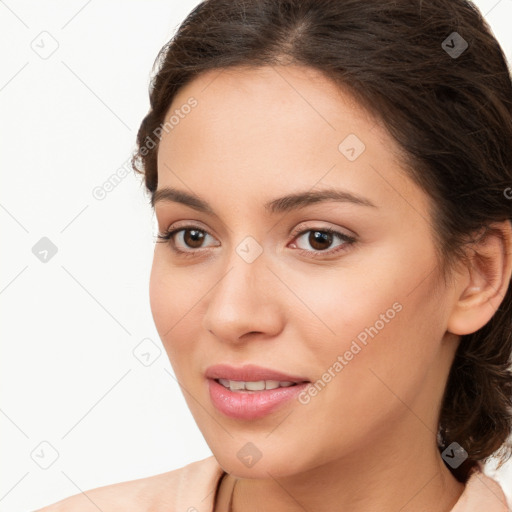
{"x":319,"y":237}
{"x":196,"y":237}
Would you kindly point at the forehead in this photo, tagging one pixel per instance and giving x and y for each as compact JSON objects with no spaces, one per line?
{"x":269,"y":98}
{"x":258,"y":131}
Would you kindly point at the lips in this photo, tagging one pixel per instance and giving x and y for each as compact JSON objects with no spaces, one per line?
{"x":250,"y":373}
{"x":252,"y":405}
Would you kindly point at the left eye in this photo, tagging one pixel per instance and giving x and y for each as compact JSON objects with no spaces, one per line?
{"x":319,"y":239}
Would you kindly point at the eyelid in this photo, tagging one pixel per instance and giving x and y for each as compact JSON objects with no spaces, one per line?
{"x":306,"y":226}
{"x":297,"y":230}
{"x":302,"y":228}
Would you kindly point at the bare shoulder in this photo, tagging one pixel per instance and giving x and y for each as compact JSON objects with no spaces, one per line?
{"x":154,"y":493}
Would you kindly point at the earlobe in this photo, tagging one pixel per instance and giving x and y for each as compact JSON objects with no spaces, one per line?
{"x":489,"y":267}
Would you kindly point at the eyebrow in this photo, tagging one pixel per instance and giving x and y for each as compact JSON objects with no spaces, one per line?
{"x":286,"y":203}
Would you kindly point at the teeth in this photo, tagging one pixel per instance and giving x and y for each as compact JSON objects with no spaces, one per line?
{"x":260,"y":385}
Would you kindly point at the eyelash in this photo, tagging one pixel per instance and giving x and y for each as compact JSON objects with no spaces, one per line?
{"x":167,"y":237}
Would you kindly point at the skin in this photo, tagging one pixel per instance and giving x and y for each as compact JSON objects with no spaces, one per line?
{"x":367,"y":440}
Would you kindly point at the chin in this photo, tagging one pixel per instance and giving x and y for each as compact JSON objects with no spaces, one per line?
{"x":243,"y":460}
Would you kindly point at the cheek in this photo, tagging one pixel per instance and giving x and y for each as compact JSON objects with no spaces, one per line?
{"x":160,"y":298}
{"x":178,"y":301}
{"x":375,"y":317}
{"x":340,"y":304}
{"x":170,"y":300}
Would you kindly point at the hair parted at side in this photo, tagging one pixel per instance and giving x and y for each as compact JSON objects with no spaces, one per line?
{"x":450,"y":116}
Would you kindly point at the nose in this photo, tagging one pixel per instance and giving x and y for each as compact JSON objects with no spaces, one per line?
{"x":245,"y":302}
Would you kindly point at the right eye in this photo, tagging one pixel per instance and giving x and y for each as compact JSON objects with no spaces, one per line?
{"x":192,"y":237}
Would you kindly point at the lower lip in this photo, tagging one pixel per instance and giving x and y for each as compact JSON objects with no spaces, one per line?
{"x":250,"y":405}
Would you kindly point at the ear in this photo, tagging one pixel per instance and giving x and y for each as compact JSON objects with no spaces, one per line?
{"x":484,"y":281}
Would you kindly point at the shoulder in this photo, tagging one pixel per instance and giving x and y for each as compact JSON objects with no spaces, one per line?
{"x":481,"y":493}
{"x":191,"y":486}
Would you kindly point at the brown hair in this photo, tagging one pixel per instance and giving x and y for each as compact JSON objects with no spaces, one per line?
{"x":450,"y":114}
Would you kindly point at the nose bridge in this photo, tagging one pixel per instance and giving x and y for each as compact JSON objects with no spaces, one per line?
{"x":244,"y":299}
{"x":246,"y":268}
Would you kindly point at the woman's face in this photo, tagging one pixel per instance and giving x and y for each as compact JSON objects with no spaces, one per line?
{"x":362,"y":320}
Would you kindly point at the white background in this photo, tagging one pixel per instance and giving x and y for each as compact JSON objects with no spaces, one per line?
{"x":69,"y":326}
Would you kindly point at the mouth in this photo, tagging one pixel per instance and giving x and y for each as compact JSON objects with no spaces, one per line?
{"x":240,"y":386}
{"x":247,"y":404}
{"x":251,"y":392}
{"x":253,"y":375}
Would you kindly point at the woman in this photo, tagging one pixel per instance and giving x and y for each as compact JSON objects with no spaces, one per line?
{"x":332,"y":185}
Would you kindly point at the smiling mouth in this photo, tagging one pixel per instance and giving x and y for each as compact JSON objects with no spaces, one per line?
{"x":254,"y":386}
{"x":251,"y":400}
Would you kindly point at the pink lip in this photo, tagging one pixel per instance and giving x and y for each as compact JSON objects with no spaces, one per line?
{"x":249,"y":372}
{"x":250,"y":405}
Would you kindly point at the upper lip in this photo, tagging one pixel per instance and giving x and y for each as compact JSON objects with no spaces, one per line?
{"x":249,"y":373}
